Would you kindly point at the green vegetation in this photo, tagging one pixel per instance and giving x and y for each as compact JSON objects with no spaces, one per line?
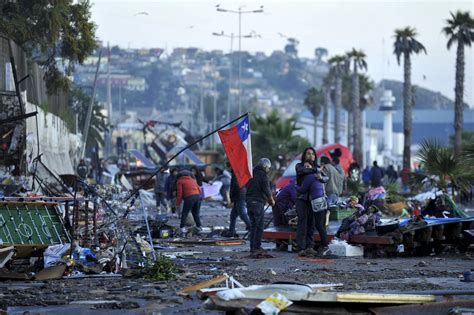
{"x":441,"y":166}
{"x":460,"y":30}
{"x":51,"y":31}
{"x":393,"y":194}
{"x":162,"y":269}
{"x":406,"y":44}
{"x":79,"y":102}
{"x":274,"y":138}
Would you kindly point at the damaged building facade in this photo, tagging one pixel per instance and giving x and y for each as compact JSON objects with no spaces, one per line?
{"x":32,"y":122}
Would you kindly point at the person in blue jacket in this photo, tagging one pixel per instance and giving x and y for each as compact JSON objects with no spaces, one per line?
{"x":313,"y":186}
{"x":284,"y":201}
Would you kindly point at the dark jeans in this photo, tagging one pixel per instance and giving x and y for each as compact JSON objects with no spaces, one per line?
{"x":320,"y":224}
{"x":193,"y":204}
{"x":160,"y":199}
{"x":238,"y":210}
{"x":279,"y":218}
{"x":305,"y":227}
{"x":256,"y":212}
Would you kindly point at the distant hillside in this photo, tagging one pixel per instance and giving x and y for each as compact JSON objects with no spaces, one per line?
{"x":424,"y":98}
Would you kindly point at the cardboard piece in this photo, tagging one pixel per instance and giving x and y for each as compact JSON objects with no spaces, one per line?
{"x":51,"y":273}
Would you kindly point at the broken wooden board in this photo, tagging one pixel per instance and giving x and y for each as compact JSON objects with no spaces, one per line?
{"x":203,"y":284}
{"x":51,"y":273}
{"x":373,"y":298}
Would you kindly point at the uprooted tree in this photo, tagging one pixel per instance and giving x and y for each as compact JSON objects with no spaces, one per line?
{"x":56,"y":34}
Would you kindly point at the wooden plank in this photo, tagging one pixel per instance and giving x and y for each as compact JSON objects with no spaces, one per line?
{"x":202,"y":285}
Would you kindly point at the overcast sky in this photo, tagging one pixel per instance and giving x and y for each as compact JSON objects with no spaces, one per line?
{"x":335,"y":25}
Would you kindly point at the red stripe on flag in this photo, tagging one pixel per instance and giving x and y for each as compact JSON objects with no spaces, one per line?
{"x":237,"y":154}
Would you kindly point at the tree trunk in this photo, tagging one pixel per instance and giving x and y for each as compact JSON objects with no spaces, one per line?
{"x":357,"y":118}
{"x":337,"y":112}
{"x":407,"y":120}
{"x":315,"y":128}
{"x":327,"y":101}
{"x":350,"y":120}
{"x":458,"y":99}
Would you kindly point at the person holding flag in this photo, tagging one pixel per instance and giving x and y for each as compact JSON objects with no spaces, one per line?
{"x":237,"y":146}
{"x":258,"y":194}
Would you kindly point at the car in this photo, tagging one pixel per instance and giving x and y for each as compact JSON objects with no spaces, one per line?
{"x":345,"y":161}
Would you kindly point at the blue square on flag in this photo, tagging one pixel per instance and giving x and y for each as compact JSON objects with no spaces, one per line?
{"x":243,"y":128}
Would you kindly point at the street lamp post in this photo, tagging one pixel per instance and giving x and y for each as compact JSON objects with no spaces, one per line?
{"x":231,"y":36}
{"x":240,"y":12}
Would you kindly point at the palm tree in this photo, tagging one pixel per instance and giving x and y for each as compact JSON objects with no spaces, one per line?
{"x":460,"y":29}
{"x":79,"y":102}
{"x":406,"y":44}
{"x":313,"y":101}
{"x":357,"y":59}
{"x":338,"y":65}
{"x":327,"y":86}
{"x":441,"y":167}
{"x":320,"y":53}
{"x":273,"y":137}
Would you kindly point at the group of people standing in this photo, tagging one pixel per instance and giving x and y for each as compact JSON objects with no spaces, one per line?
{"x":317,"y":186}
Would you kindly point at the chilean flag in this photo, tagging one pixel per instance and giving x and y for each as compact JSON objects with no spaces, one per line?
{"x":237,"y":146}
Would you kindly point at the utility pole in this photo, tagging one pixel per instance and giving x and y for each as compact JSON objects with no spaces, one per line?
{"x":229,"y":97}
{"x":108,"y":138}
{"x":240,"y":12}
{"x":214,"y":109}
{"x":89,"y":110}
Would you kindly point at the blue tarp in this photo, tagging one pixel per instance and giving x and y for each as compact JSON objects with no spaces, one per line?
{"x":433,"y":221}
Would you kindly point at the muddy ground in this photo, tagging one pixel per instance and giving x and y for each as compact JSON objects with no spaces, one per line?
{"x":139,"y":296}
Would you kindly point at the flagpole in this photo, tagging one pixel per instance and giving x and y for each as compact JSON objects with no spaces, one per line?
{"x":181,"y":151}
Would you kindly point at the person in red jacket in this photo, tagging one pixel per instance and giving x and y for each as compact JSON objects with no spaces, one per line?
{"x":188,"y":191}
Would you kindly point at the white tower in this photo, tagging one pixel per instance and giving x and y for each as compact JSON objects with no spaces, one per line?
{"x":387,"y":107}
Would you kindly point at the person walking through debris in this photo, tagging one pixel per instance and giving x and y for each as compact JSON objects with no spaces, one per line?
{"x":258,"y":193}
{"x":224,"y":177}
{"x":304,"y":212}
{"x":82,"y":169}
{"x":160,"y":190}
{"x":376,"y":175}
{"x":170,"y":188}
{"x":188,"y":191}
{"x":237,"y":198}
{"x":313,"y":187}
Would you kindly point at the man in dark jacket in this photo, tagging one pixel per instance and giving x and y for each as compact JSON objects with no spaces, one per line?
{"x":258,"y":193}
{"x":237,"y":197}
{"x":376,"y":175}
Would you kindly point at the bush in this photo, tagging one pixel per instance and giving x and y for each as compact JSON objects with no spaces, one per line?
{"x":161,"y":270}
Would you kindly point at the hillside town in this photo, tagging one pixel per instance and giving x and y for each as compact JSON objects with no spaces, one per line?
{"x":193,"y":179}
